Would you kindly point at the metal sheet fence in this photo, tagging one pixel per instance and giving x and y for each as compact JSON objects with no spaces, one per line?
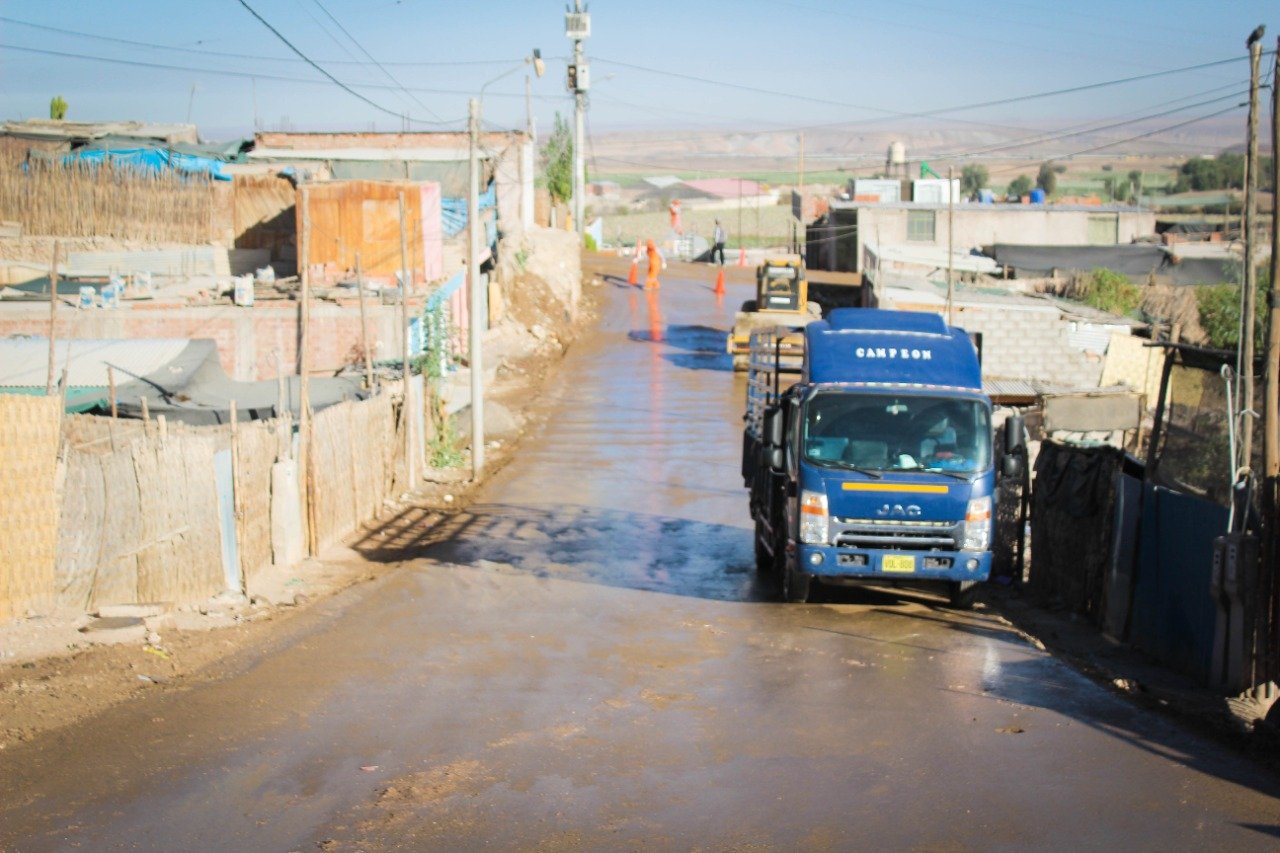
{"x":130,"y":512}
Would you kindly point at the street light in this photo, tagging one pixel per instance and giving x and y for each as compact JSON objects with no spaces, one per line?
{"x":477,"y":300}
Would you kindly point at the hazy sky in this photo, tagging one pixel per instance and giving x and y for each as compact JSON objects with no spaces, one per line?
{"x":751,"y":64}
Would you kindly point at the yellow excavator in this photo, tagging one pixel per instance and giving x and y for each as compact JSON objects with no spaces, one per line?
{"x":782,"y":299}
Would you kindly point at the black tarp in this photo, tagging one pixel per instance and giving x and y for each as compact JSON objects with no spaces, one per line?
{"x":1137,"y":261}
{"x":194,"y":389}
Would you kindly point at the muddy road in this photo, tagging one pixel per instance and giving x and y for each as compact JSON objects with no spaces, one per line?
{"x":582,"y":660}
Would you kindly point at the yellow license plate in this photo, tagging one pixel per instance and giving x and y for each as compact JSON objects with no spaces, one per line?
{"x":898,"y":564}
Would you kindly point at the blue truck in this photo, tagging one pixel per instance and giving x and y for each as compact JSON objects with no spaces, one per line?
{"x":870,"y":457}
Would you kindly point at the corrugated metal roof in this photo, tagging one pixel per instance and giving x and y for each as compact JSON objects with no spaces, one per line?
{"x":24,"y":362}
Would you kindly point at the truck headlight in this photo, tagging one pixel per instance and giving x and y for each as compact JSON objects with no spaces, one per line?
{"x":813,"y":517}
{"x":977,"y":525}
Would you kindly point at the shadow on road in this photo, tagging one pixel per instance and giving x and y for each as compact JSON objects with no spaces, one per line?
{"x":633,"y":550}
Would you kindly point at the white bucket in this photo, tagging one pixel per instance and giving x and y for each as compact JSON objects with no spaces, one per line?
{"x":243,"y":295}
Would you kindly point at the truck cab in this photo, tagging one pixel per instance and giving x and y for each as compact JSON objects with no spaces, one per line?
{"x":877,"y":465}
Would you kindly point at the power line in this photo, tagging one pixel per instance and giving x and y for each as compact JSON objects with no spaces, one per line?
{"x":370,"y":57}
{"x":229,"y":55}
{"x":343,"y":86}
{"x":923,"y":113}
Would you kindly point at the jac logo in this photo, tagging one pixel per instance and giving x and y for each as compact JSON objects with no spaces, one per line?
{"x":899,"y":511}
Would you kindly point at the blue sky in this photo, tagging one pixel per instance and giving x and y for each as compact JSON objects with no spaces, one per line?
{"x":662,"y":64}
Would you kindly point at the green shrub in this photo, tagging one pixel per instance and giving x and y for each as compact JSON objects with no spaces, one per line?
{"x":1108,"y":290}
{"x":589,"y":242}
{"x":1219,"y":306}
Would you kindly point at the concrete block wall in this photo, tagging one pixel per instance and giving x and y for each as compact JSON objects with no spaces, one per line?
{"x":1029,"y":343}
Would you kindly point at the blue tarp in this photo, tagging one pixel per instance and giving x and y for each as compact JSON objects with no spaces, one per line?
{"x":149,"y":160}
{"x":454,"y":210}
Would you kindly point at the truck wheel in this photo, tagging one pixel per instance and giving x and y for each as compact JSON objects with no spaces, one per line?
{"x":962,"y":594}
{"x":748,"y":307}
{"x":796,"y":584}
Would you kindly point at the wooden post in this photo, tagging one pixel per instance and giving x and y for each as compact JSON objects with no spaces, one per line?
{"x":1269,"y":606}
{"x":236,"y":502}
{"x":304,"y":383}
{"x":53,"y":321}
{"x":111,"y":391}
{"x":364,"y":328}
{"x":146,"y":418}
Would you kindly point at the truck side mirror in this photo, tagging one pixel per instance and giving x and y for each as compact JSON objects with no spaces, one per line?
{"x":1015,"y":448}
{"x":1015,"y":427}
{"x":1011,"y":465}
{"x":773,"y":437}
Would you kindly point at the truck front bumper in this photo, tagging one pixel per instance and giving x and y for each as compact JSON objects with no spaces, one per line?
{"x":824,"y":561}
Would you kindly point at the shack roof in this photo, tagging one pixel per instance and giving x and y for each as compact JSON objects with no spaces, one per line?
{"x":47,"y":129}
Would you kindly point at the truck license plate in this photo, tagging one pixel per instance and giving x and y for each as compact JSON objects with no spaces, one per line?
{"x":892,"y":563}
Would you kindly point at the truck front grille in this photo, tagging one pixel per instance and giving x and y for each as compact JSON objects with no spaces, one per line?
{"x":902,"y":535}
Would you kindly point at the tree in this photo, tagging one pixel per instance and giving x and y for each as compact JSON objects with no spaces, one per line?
{"x":1047,"y":178}
{"x":557,"y":161}
{"x":1226,"y":171}
{"x":57,"y":108}
{"x":1111,"y":291}
{"x":1135,"y":184}
{"x":973,"y":178}
{"x":1020,"y":186}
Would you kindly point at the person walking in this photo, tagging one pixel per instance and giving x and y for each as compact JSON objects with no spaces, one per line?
{"x":717,"y":243}
{"x":657,"y":263}
{"x":674,"y":210}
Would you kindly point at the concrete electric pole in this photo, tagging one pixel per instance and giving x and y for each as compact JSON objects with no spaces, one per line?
{"x":577,"y":26}
{"x":477,"y":301}
{"x":1250,"y":288}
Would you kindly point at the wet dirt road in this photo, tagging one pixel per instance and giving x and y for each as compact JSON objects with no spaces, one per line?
{"x":582,"y":660}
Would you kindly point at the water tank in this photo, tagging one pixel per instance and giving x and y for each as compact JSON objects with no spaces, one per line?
{"x":897,"y":154}
{"x":1037,"y":196}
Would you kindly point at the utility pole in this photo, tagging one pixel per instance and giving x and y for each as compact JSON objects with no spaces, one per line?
{"x":528,"y":109}
{"x":410,"y":413}
{"x":577,"y":26}
{"x":951,"y":210}
{"x":1269,"y":642}
{"x":801,"y":191}
{"x":477,"y":301}
{"x":1250,"y":288}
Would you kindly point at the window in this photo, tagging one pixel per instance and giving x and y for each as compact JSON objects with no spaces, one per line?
{"x":920,"y":225}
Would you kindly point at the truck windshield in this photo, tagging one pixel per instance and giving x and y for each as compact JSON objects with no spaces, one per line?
{"x":888,"y":432}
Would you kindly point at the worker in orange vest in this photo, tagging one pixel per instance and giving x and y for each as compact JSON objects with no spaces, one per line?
{"x":657,"y":263}
{"x":675,"y":216}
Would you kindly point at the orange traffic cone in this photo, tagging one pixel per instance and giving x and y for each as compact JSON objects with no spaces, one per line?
{"x":742,"y":256}
{"x":720,"y":282}
{"x":633,"y":277}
